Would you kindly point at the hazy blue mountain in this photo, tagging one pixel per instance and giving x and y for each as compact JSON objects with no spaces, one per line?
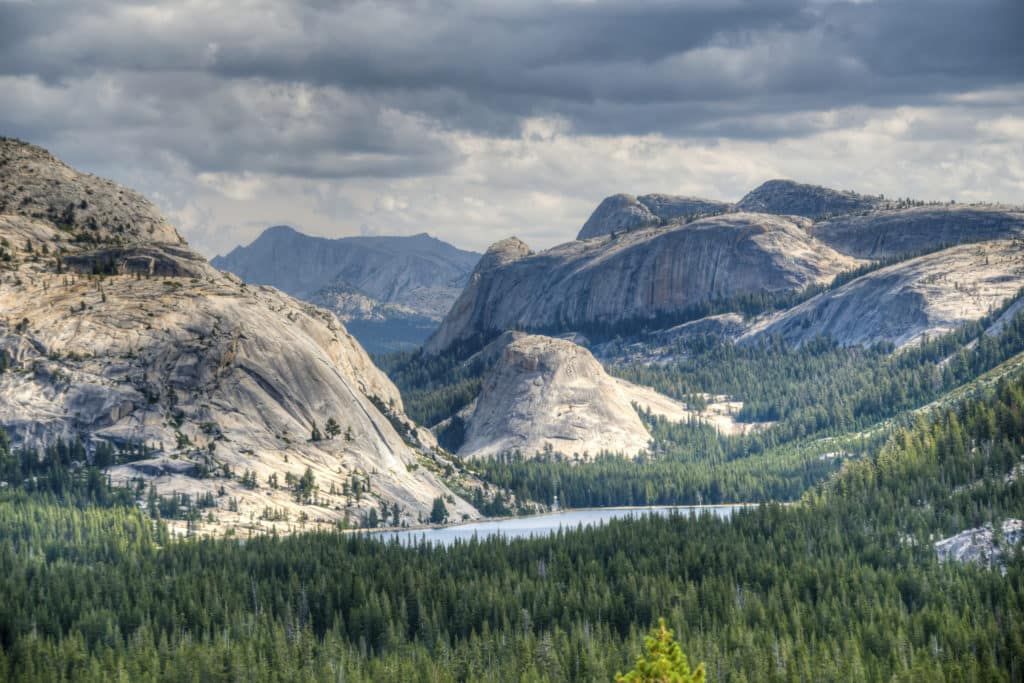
{"x":391,"y":291}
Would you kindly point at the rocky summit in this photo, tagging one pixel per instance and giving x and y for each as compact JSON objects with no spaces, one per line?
{"x":787,"y":197}
{"x":623,"y":212}
{"x":651,"y":265}
{"x":549,"y":394}
{"x":115,"y":333}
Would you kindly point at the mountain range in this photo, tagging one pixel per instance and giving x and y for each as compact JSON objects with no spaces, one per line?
{"x":200,"y":384}
{"x":795,"y":260}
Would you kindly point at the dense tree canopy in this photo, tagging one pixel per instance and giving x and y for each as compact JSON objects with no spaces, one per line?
{"x":843,"y":586}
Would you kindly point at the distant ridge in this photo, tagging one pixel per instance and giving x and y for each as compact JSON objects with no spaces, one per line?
{"x":392,"y":290}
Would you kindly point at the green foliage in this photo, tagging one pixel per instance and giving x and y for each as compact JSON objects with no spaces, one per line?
{"x":662,"y":662}
{"x":434,"y":387}
{"x":818,"y":392}
{"x":824,"y":388}
{"x":249,"y":480}
{"x":843,"y":586}
{"x":305,"y":487}
{"x":439,"y":512}
{"x":63,"y":471}
{"x":453,"y":434}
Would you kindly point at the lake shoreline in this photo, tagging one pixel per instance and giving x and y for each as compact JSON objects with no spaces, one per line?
{"x":525,"y":526}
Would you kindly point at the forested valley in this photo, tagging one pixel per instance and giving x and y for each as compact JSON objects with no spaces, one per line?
{"x":844,"y":585}
{"x":824,"y":403}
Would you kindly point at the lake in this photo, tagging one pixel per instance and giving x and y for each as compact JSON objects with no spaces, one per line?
{"x":541,"y":525}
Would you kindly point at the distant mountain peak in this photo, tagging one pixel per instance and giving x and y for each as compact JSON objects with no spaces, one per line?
{"x":783,"y":196}
{"x":404,"y":281}
{"x":279,"y":230}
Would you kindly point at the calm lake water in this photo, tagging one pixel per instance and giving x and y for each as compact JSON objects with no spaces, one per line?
{"x":541,"y":525}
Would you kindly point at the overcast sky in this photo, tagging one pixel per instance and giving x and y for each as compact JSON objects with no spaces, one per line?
{"x":475,"y":121}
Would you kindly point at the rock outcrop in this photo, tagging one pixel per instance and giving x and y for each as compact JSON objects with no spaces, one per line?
{"x":542,"y":394}
{"x":407,"y":282}
{"x":789,"y":198}
{"x":928,"y":295}
{"x":104,"y":341}
{"x":623,"y":212}
{"x":908,"y":232}
{"x":84,"y":208}
{"x":640,"y":274}
{"x":549,"y":394}
{"x":981,"y":546}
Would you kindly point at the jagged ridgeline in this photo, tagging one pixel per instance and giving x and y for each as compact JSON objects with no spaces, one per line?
{"x":122,"y":347}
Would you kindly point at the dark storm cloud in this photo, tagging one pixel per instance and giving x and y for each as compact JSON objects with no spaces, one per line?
{"x":368,"y":88}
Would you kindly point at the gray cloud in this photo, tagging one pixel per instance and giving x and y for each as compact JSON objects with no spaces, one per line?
{"x":443,"y":115}
{"x":609,"y":67}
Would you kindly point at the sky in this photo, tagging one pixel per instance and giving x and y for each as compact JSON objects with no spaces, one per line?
{"x":476,"y":121}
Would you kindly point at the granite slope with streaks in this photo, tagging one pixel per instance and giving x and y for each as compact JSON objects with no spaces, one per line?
{"x":211,"y":374}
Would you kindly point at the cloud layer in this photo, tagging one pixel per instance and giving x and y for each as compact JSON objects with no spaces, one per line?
{"x":478,"y":120}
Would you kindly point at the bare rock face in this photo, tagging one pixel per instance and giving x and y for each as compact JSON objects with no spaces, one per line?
{"x":214,"y":377}
{"x":623,"y":212}
{"x":543,"y":394}
{"x":912,"y":231}
{"x":981,"y":545}
{"x":348,"y":303}
{"x":87,"y":209}
{"x":617,"y":213}
{"x":669,"y":208}
{"x":643,"y":273}
{"x":786,"y":197}
{"x":901,"y":303}
{"x":549,"y":394}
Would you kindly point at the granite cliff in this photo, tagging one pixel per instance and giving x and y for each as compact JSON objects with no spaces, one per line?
{"x":904,"y":302}
{"x":906,"y":232}
{"x":542,"y":394}
{"x":639,"y":274}
{"x":787,"y":197}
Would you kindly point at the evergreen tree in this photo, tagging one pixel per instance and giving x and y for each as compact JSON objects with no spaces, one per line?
{"x":663,"y":661}
{"x":315,"y":435}
{"x":439,"y":513}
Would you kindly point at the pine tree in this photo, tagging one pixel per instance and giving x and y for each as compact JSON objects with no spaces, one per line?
{"x":663,"y":662}
{"x":439,"y":513}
